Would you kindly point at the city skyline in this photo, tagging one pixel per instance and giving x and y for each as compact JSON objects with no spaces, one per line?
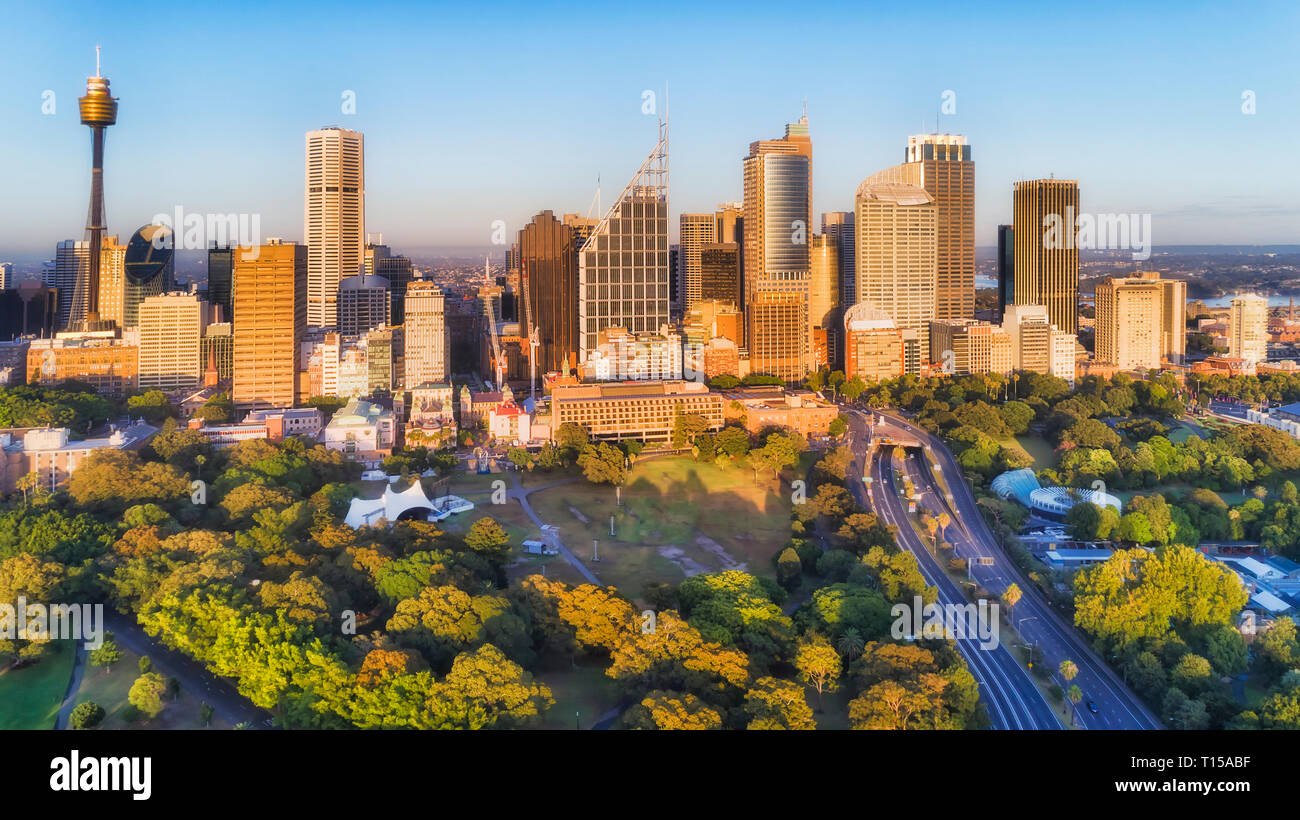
{"x":1126,"y":127}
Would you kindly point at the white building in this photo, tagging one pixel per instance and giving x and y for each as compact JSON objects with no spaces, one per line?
{"x":171,"y":327}
{"x":334,"y":218}
{"x":624,"y":356}
{"x":361,"y":430}
{"x":425,"y":332}
{"x":1248,"y":329}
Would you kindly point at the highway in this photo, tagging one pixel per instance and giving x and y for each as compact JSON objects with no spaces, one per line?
{"x":1010,"y":697}
{"x":1117,"y":707}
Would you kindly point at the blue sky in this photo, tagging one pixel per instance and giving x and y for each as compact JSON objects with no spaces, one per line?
{"x":478,"y":112}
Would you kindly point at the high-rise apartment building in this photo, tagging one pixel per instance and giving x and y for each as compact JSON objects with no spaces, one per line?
{"x":269,"y":294}
{"x":334,"y":218}
{"x":1140,"y":321}
{"x":171,"y":330}
{"x":824,"y":326}
{"x":777,"y":234}
{"x":896,"y":256}
{"x":942,"y":165}
{"x":1047,"y":259}
{"x":623,"y":265}
{"x":839,"y":226}
{"x":696,"y":231}
{"x":7,"y":281}
{"x":1248,"y":328}
{"x":425,"y":332}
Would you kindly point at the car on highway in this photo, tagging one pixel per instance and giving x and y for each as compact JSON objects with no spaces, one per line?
{"x":1092,"y":707}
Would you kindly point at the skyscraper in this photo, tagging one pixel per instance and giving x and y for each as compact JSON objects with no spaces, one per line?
{"x":548,"y":259}
{"x":896,"y":256}
{"x":696,"y":231}
{"x":380,"y":261}
{"x":70,"y":278}
{"x":720,"y":273}
{"x":838,"y":225}
{"x":425,"y":332}
{"x":220,"y":263}
{"x":112,"y":281}
{"x":623,"y":265}
{"x":1006,"y":267}
{"x":824,"y":326}
{"x":941,"y":163}
{"x":778,"y":228}
{"x":148,"y":266}
{"x":1248,"y":328}
{"x":334,"y":219}
{"x":1047,"y":261}
{"x":98,"y":111}
{"x":270,"y":317}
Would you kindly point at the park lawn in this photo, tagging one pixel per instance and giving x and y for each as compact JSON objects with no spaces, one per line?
{"x":109,"y":689}
{"x":584,"y":690}
{"x":1038,"y":448}
{"x":30,"y":697}
{"x":678,"y":518}
{"x":554,"y":567}
{"x":510,"y":516}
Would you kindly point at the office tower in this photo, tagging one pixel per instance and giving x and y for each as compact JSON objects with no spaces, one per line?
{"x":962,"y":346}
{"x":7,"y":276}
{"x":1036,"y":344}
{"x":1006,"y":267}
{"x":379,"y":355}
{"x":941,"y":164}
{"x":220,"y":264}
{"x":112,"y":281}
{"x":217,"y":348}
{"x":380,"y":261}
{"x":364,"y":304}
{"x":896,"y":257}
{"x":270,"y":317}
{"x":334,"y":220}
{"x":171,"y":330}
{"x":1173,"y":328}
{"x":824,"y":324}
{"x":729,"y":223}
{"x":426,"y":338}
{"x":778,"y":227}
{"x":98,"y":111}
{"x":873,"y":345}
{"x":1248,"y":328}
{"x":720,"y":273}
{"x":70,"y":279}
{"x":674,"y":277}
{"x":149,"y":266}
{"x":29,"y":308}
{"x":697,"y":230}
{"x":623,"y":265}
{"x":548,"y":260}
{"x":838,"y":225}
{"x":1047,"y":260}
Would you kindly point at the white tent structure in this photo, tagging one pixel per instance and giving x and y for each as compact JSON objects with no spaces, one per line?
{"x":370,"y":511}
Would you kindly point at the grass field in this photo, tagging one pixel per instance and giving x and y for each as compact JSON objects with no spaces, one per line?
{"x":1039,"y":449}
{"x":109,"y":689}
{"x":678,"y":518}
{"x":582,"y":694}
{"x":30,"y":697}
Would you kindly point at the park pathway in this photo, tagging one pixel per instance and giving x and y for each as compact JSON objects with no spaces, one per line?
{"x":521,"y":493}
{"x":74,"y":685}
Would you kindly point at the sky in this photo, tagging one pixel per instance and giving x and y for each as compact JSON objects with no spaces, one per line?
{"x":477,"y":112}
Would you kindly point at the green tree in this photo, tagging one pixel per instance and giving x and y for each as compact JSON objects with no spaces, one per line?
{"x":772,"y":703}
{"x":86,"y":715}
{"x":146,"y":694}
{"x":818,"y":665}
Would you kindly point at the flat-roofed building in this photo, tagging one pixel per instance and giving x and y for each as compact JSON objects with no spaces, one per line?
{"x":633,"y":410}
{"x":962,"y":346}
{"x":896,"y":255}
{"x":802,"y":411}
{"x":269,"y":285}
{"x":107,"y":363}
{"x":1248,"y":329}
{"x":873,"y":345}
{"x":171,"y":333}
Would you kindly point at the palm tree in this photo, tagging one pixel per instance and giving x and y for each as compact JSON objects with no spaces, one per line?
{"x":944,"y":520}
{"x":850,"y":643}
{"x":1076,"y":695}
{"x":1010,"y":597}
{"x":932,"y":527}
{"x":1068,"y":670}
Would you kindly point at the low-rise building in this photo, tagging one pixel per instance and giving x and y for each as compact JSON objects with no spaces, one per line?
{"x":802,"y":411}
{"x":633,"y":410}
{"x":55,"y":456}
{"x":361,"y":430}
